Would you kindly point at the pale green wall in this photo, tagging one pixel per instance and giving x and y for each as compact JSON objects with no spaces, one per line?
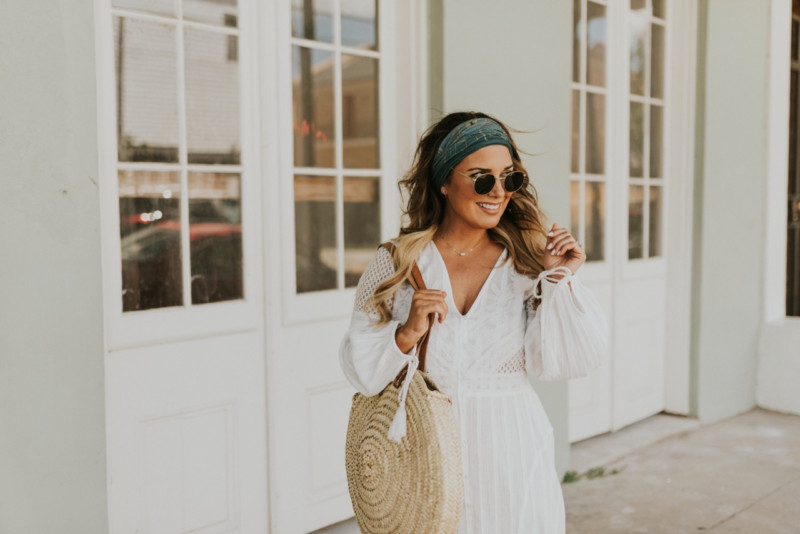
{"x":729,"y":212}
{"x":513,"y":60}
{"x":52,"y":427}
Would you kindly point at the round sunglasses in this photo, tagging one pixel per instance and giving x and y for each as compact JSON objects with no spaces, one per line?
{"x":484,"y":182}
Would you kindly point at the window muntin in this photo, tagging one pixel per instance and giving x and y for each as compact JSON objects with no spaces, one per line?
{"x":179,"y":131}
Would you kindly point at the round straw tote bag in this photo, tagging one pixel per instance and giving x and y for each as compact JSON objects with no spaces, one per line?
{"x":403,"y":452}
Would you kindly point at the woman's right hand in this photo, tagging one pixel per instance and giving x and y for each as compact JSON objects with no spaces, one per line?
{"x":423,"y":303}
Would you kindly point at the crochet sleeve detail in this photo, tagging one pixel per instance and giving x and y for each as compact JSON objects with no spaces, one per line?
{"x":379,"y":269}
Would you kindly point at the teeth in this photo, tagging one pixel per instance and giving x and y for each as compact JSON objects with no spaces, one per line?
{"x":489,"y":206}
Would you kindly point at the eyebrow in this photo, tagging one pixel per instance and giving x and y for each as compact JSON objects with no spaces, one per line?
{"x":511,"y":166}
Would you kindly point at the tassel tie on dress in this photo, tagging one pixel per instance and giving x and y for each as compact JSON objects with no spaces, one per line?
{"x":547,"y":275}
{"x":397,"y":430}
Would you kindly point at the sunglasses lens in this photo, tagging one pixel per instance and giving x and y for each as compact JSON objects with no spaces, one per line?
{"x":484,"y":184}
{"x":514,"y":181}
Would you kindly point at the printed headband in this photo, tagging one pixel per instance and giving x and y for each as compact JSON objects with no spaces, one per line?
{"x":465,"y":139}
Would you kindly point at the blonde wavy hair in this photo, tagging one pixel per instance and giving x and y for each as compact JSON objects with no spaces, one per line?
{"x":521,"y":229}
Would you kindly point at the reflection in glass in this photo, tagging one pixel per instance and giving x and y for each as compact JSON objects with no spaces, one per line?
{"x":159,"y":7}
{"x":656,"y":141}
{"x":596,"y":45}
{"x":212,"y":99}
{"x":639,"y":20}
{"x":657,"y":62}
{"x":660,"y":8}
{"x":595,"y":220}
{"x":636,"y":133}
{"x":635,"y":222}
{"x":595,"y":133}
{"x":360,"y":112}
{"x":313,"y":19}
{"x":149,"y":222}
{"x":360,"y":23}
{"x":576,"y":130}
{"x":315,"y":232}
{"x":312,"y":107}
{"x":654,"y":248}
{"x":576,"y":40}
{"x":215,"y":236}
{"x":575,"y":207}
{"x":362,"y":225}
{"x":147,"y":100}
{"x":216,"y":12}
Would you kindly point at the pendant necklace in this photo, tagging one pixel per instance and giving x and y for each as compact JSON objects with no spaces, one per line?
{"x":459,"y":252}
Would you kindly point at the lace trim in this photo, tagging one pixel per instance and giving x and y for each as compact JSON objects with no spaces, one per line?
{"x":380,"y":268}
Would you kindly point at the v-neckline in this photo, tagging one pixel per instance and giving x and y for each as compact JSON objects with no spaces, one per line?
{"x":450,"y":285}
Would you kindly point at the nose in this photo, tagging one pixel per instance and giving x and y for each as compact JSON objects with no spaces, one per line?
{"x":498,"y":191}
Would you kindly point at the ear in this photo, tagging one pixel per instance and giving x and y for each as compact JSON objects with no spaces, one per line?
{"x":444,"y":190}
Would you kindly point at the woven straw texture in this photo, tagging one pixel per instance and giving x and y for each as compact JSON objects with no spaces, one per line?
{"x":414,"y":486}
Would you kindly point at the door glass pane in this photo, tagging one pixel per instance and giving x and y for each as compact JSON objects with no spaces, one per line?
{"x":576,"y":40}
{"x":575,"y":207}
{"x":216,"y":12}
{"x":795,"y":28}
{"x":639,"y":20}
{"x":635,"y":222}
{"x":159,"y":7}
{"x":659,"y":9}
{"x":150,"y":231}
{"x":636,"y":132}
{"x":657,"y":62}
{"x":656,"y":141}
{"x":654,"y":248}
{"x":315,"y":232}
{"x":595,"y":133}
{"x":362,"y":225}
{"x":312,"y":106}
{"x":313,"y":19}
{"x":596,"y":45}
{"x":212,"y":99}
{"x":595,"y":217}
{"x":360,"y":112}
{"x":147,"y":94}
{"x":360,"y":23}
{"x":793,"y":127}
{"x":576,"y":130}
{"x":215,"y":236}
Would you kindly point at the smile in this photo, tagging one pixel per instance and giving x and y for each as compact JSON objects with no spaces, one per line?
{"x":489,"y":207}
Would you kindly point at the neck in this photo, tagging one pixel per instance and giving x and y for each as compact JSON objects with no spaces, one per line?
{"x":461,"y":235}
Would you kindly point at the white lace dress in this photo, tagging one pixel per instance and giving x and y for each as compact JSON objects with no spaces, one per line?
{"x":482,"y":361}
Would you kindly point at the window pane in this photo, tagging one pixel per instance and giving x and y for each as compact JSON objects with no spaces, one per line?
{"x":595,"y":133}
{"x":657,"y":62}
{"x":313,"y":19}
{"x":362,"y":225}
{"x":795,"y":28}
{"x":575,"y":207}
{"x":576,"y":131}
{"x":636,"y":132}
{"x":656,"y":141}
{"x":638,"y":4}
{"x":793,"y":127}
{"x":595,"y":217}
{"x":315,"y":232}
{"x":639,"y":20}
{"x":596,"y":45}
{"x":654,"y":248}
{"x":635,"y":222}
{"x":312,"y":105}
{"x":215,"y":235}
{"x":660,"y":8}
{"x":147,"y":99}
{"x":360,"y":112}
{"x":359,"y":23}
{"x":576,"y":40}
{"x":216,"y":12}
{"x":159,"y":7}
{"x":150,"y":231}
{"x":212,"y":99}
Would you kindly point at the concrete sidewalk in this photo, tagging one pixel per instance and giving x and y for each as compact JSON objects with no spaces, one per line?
{"x":740,"y":475}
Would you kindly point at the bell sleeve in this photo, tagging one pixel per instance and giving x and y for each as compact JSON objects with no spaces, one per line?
{"x":368,"y":353}
{"x":567,"y":335}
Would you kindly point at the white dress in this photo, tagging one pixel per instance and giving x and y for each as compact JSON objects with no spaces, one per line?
{"x":482,"y":360}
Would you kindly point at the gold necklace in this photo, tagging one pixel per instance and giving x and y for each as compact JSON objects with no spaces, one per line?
{"x":460,"y":253}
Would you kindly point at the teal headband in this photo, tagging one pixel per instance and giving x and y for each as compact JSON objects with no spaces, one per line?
{"x":462,"y":141}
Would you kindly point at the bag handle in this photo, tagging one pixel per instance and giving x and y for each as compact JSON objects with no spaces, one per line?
{"x":416,"y":281}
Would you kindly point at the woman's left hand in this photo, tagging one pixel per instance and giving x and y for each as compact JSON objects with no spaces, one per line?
{"x":563,"y":249}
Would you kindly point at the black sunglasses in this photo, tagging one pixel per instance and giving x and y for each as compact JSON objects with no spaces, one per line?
{"x":484,"y":182}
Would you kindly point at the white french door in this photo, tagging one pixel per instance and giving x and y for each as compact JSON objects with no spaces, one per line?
{"x":629,"y":182}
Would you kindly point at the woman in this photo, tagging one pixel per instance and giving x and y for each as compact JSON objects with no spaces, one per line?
{"x":507,"y":302}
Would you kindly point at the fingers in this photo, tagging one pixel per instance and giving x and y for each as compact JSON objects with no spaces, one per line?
{"x":427,"y":301}
{"x":560,"y":241}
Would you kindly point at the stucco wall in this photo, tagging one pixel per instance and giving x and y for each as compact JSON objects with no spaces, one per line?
{"x":52,"y":428}
{"x":729,"y":210}
{"x":513,"y":60}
